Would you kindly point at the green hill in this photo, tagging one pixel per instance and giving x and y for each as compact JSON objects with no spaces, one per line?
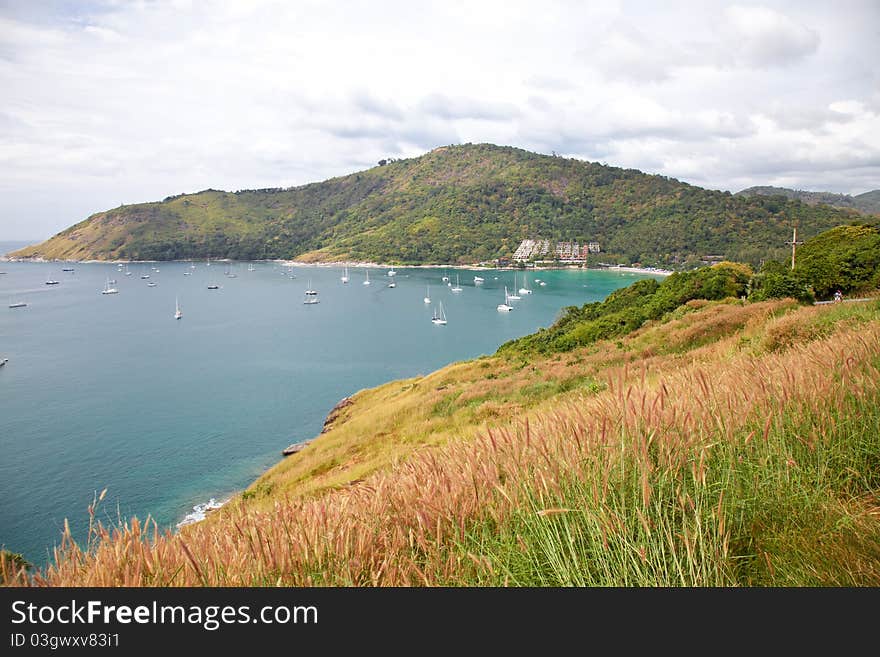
{"x":868,"y":203}
{"x":455,"y":204}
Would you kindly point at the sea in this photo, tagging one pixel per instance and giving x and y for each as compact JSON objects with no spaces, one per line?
{"x":172,"y":416}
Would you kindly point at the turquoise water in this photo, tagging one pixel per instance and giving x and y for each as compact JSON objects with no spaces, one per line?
{"x":109,"y":391}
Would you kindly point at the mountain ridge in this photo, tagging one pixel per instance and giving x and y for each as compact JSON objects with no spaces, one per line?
{"x":866,"y":202}
{"x":455,"y":204}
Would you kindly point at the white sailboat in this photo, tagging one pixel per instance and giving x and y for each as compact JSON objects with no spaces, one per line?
{"x":513,"y":296}
{"x":16,"y":304}
{"x":50,"y":280}
{"x":127,"y":273}
{"x":367,"y":282}
{"x":457,"y":287}
{"x":251,"y":267}
{"x":439,"y":317}
{"x":344,"y":278}
{"x":177,"y":313}
{"x":505,"y":307}
{"x":428,"y":294}
{"x":525,"y":289}
{"x":478,"y":280}
{"x":311,"y":295}
{"x":108,"y":289}
{"x":446,"y":276}
{"x":391,"y":271}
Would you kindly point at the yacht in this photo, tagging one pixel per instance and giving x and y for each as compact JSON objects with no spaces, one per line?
{"x":367,"y":282}
{"x":344,"y":278}
{"x":311,"y":295}
{"x":51,"y":281}
{"x":177,"y":313}
{"x":505,"y":307}
{"x":213,"y":286}
{"x":513,"y":296}
{"x":428,"y":294}
{"x":439,"y":317}
{"x":391,"y":272}
{"x":109,"y":289}
{"x":524,"y":289}
{"x":478,"y":280}
{"x":457,"y":287}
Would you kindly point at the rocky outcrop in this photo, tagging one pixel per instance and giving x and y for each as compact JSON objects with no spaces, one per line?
{"x":345,"y":402}
{"x":332,"y":416}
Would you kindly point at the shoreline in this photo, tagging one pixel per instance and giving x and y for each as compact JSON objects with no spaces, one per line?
{"x":639,"y":270}
{"x":656,"y":271}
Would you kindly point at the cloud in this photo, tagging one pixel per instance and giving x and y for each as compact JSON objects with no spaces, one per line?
{"x":764,"y":38}
{"x":627,"y":53}
{"x":368,"y":103}
{"x":460,"y":107}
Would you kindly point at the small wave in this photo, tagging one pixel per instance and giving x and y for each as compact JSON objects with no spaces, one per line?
{"x":200,"y":511}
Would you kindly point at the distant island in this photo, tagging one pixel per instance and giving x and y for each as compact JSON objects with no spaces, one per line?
{"x":868,"y":203}
{"x":460,"y":204}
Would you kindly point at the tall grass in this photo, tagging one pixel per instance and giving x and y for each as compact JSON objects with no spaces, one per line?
{"x":748,"y":470}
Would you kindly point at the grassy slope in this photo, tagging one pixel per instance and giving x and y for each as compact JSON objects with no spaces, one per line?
{"x":727,"y":443}
{"x":455,"y":204}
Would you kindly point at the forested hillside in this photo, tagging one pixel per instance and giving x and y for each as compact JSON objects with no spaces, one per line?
{"x":456,"y":204}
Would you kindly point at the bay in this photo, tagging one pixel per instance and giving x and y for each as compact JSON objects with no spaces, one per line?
{"x":110,"y":391}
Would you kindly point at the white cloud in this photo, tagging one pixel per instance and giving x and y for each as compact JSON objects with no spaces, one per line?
{"x":625,"y":52}
{"x":763,"y":37}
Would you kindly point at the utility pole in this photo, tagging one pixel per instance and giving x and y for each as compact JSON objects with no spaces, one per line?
{"x":794,"y":242}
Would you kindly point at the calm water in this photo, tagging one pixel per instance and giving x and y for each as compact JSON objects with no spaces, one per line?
{"x":110,"y":391}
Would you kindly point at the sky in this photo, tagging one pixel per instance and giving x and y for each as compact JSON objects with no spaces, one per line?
{"x":116,"y":102}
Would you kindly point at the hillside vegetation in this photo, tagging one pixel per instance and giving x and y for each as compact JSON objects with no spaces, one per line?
{"x":719,"y":442}
{"x":456,"y":204}
{"x":868,"y":202}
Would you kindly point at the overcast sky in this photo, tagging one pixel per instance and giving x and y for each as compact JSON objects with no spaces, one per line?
{"x":111,"y":102}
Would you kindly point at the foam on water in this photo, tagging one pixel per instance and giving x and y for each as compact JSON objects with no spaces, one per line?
{"x":200,"y":512}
